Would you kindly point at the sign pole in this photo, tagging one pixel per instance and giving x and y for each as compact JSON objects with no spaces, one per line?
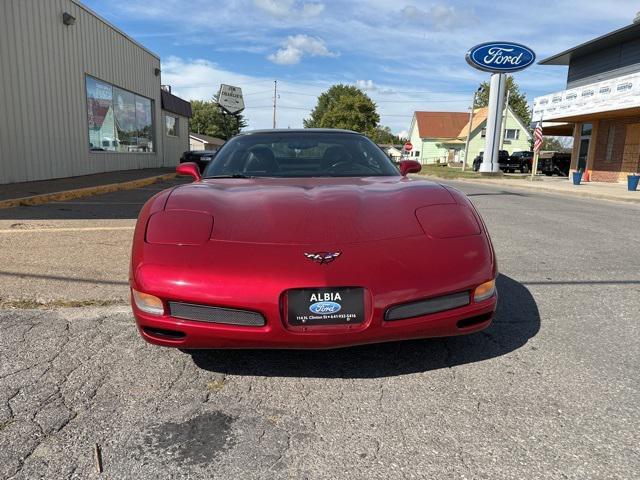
{"x":494,"y":124}
{"x":499,"y":58}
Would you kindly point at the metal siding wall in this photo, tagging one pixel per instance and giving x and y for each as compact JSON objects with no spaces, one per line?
{"x":609,"y":63}
{"x":43,"y":111}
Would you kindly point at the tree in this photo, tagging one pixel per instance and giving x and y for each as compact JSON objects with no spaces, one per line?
{"x":207,"y":118}
{"x":557,"y":144}
{"x":382,"y":134}
{"x":344,"y":106}
{"x":517,"y":100}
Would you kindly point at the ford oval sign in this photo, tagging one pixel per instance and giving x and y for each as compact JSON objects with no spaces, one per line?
{"x":325,"y":308}
{"x":500,"y":57}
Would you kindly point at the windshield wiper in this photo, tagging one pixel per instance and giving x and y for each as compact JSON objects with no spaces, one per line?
{"x":233,"y":175}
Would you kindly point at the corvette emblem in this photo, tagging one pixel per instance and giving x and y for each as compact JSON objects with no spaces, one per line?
{"x":322,"y":257}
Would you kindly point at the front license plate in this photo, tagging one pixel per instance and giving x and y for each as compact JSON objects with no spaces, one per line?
{"x":325,"y":306}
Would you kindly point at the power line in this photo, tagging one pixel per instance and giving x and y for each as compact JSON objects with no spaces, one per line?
{"x":257,"y":93}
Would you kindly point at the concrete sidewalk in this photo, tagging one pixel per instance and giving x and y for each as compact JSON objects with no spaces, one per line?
{"x":36,"y":193}
{"x":561,"y":185}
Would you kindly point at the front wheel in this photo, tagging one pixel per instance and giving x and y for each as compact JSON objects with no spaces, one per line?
{"x":524,"y":169}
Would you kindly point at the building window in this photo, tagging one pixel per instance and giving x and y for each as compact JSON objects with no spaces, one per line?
{"x":483,"y":132}
{"x":171,"y":126}
{"x":610,"y":138}
{"x":511,"y":134}
{"x":118,"y":120}
{"x":417,"y":153}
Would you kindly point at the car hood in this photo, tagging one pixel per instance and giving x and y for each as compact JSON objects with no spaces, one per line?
{"x":310,"y":210}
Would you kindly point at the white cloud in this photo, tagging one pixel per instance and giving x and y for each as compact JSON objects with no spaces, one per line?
{"x":312,"y":9}
{"x":370,"y":86}
{"x":295,"y":47}
{"x":403,"y":134}
{"x":289,"y":8}
{"x":200,"y":79}
{"x":440,"y":17}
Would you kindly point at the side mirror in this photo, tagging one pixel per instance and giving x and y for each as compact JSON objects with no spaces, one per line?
{"x":409,"y":166}
{"x":189,"y":169}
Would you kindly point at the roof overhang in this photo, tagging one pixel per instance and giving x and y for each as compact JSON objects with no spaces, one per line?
{"x":624,"y":34}
{"x":590,"y":117}
{"x":611,"y":98}
{"x":174,"y":104}
{"x":557,"y":129}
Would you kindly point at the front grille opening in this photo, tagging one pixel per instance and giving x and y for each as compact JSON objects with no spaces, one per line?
{"x":428,"y":306}
{"x":205,"y":313}
{"x":163,"y":333}
{"x":473,"y":321}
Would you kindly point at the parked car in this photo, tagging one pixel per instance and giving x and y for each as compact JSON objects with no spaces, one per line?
{"x":318,"y":242}
{"x":557,"y":163}
{"x":200,"y":157}
{"x":503,"y":157}
{"x":520,"y":160}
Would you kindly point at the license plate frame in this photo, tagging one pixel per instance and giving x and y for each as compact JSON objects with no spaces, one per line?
{"x":309,"y":307}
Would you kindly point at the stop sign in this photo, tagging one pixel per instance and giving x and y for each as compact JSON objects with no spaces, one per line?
{"x":408,"y":147}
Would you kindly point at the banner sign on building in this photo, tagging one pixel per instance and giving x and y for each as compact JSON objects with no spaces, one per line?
{"x":500,"y":57}
{"x":613,"y":94}
{"x":230,"y":99}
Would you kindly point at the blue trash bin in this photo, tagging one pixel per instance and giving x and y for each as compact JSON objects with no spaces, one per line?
{"x":577,"y":178}
{"x":632,"y":182}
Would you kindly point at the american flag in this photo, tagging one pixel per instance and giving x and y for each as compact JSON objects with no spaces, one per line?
{"x":537,"y":134}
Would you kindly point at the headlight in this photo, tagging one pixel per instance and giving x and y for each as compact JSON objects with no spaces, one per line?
{"x":148,"y":303}
{"x":179,"y":227}
{"x":484,"y":291}
{"x":447,"y":221}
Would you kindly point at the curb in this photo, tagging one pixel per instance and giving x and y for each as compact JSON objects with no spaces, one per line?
{"x":566,"y":193}
{"x":84,"y":192}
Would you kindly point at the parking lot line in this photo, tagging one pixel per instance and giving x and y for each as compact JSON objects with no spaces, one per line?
{"x":64,"y":229}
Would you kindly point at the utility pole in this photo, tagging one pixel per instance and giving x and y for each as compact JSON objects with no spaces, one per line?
{"x":275,"y":96}
{"x":466,"y":147}
{"x":504,"y":120}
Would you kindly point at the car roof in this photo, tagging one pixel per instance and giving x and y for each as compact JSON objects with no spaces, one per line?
{"x":279,"y":131}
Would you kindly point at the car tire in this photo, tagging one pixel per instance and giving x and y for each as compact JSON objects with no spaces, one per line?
{"x":549,"y":174}
{"x":524,"y":169}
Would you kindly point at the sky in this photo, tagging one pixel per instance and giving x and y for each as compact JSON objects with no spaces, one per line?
{"x":407,"y":56}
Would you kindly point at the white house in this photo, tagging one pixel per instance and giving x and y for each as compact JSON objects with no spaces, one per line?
{"x":199,"y":141}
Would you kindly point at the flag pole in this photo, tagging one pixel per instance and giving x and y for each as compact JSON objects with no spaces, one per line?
{"x":536,"y":151}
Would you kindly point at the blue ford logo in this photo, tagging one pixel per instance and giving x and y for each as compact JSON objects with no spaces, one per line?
{"x":500,"y":57}
{"x":325,"y":308}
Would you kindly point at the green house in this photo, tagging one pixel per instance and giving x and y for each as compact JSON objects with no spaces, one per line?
{"x":440,"y":137}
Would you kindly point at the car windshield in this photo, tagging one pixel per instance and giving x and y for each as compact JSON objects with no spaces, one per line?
{"x":300,"y":154}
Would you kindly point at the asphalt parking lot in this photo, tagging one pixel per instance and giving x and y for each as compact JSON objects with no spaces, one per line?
{"x":550,"y":390}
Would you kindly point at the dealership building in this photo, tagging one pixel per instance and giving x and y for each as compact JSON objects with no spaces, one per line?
{"x":600,"y":106}
{"x":78,"y":96}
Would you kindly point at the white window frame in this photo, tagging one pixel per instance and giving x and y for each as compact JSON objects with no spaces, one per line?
{"x":515,"y":134}
{"x":176,"y":126}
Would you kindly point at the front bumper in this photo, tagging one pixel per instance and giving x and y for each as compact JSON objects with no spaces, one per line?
{"x":257,"y":277}
{"x":174,"y":332}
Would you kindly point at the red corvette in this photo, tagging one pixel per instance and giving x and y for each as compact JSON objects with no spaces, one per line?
{"x":308,"y":239}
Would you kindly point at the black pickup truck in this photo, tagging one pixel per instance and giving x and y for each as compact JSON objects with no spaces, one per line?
{"x":503,"y":157}
{"x":521,"y":160}
{"x":557,"y":163}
